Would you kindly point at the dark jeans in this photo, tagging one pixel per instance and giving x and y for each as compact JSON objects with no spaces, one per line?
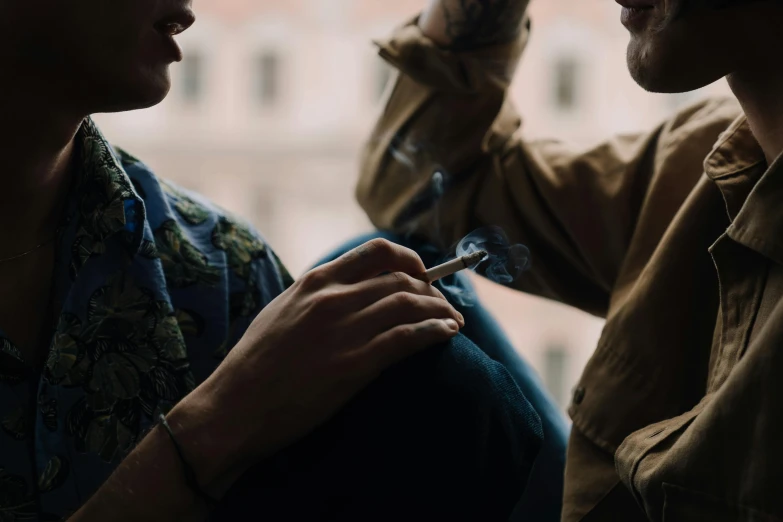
{"x":542,"y":500}
{"x":446,"y":435}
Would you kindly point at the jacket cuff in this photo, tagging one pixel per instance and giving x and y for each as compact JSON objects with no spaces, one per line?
{"x":480,"y":70}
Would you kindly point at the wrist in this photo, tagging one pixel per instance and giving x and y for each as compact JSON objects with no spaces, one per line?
{"x":212,"y":451}
{"x":464,"y":25}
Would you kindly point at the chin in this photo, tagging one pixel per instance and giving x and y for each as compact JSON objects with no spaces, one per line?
{"x":140,"y":91}
{"x":656,"y":70}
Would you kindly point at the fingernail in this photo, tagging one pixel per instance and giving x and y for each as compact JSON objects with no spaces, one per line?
{"x":452,"y":324}
{"x":461,"y":319}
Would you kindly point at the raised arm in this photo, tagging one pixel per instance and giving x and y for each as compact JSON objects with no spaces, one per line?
{"x":448,"y":156}
{"x":471,"y":24}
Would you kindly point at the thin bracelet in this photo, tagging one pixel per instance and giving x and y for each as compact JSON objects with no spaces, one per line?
{"x":190,"y":475}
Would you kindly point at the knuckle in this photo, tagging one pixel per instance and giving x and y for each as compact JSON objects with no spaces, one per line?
{"x":323,"y":303}
{"x":380,"y":247}
{"x":404,"y":282}
{"x":406,"y":300}
{"x":313,"y":280}
{"x":405,"y":333}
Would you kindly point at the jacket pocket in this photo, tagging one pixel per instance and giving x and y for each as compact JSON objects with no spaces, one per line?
{"x":685,"y":505}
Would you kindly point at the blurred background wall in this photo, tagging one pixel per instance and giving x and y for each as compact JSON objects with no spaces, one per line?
{"x":275,"y":97}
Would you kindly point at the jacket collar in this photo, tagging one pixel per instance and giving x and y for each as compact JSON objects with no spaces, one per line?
{"x":752,"y":191}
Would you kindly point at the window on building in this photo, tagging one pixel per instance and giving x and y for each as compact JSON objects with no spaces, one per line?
{"x":383,"y":74}
{"x":192,"y":82}
{"x":556,"y":372}
{"x":263,"y":206}
{"x":566,"y":83}
{"x":267,"y":78}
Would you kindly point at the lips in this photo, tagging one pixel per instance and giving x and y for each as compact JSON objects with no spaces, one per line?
{"x":637,"y":17}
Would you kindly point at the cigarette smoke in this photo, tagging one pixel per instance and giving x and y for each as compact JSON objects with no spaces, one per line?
{"x":404,"y":152}
{"x":504,"y":264}
{"x":437,"y":194}
{"x":437,"y":184}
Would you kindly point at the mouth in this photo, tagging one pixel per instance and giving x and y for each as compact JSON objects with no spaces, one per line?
{"x":636,"y":14}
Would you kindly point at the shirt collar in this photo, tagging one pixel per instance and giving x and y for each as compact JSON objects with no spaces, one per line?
{"x":736,"y":151}
{"x":753,"y":193}
{"x":104,"y":205}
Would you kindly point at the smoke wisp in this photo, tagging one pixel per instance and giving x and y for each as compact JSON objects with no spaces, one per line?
{"x":504,"y":264}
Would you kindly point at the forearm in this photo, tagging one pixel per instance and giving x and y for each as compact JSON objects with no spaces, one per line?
{"x":471,"y":24}
{"x":150,"y":483}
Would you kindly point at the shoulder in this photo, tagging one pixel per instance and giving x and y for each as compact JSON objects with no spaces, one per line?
{"x":165,"y":200}
{"x":701,"y":123}
{"x":219,"y":271}
{"x":189,"y":230}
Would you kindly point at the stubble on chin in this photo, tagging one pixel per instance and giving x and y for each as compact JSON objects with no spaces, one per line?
{"x":641,"y":55}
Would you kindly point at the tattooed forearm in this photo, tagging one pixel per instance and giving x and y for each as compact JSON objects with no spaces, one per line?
{"x":470,"y":24}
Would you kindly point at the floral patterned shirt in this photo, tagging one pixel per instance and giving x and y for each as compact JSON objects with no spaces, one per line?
{"x":153,"y":285}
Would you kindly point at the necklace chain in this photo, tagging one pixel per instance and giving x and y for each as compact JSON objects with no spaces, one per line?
{"x":17,"y":256}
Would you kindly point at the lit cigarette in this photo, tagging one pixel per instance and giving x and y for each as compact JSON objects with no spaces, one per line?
{"x":454,"y":266}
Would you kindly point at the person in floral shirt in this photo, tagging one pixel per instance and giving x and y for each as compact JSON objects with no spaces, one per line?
{"x":134,"y":333}
{"x":128,"y":300}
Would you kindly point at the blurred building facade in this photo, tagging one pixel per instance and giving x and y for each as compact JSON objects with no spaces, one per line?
{"x":274,"y":99}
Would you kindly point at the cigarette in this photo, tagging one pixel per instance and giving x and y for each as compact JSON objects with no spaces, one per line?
{"x":454,"y":266}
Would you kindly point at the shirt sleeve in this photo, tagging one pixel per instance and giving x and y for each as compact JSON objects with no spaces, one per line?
{"x":254,"y":283}
{"x":448,"y":156}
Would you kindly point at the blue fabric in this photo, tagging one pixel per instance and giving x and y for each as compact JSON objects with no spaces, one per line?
{"x":445,"y":435}
{"x":153,"y":285}
{"x":542,"y":499}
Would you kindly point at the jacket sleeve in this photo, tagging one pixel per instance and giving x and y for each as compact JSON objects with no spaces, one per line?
{"x":448,"y":156}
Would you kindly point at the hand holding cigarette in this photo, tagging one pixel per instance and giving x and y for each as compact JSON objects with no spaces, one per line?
{"x":454,"y":266}
{"x":336,"y":329}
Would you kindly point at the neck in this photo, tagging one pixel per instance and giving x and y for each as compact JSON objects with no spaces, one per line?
{"x":758,"y":82}
{"x":760,"y":92}
{"x":36,"y":149}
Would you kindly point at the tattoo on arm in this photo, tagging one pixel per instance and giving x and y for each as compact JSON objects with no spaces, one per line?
{"x":471,"y":24}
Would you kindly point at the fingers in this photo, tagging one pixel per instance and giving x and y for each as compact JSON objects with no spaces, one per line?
{"x":399,"y":343}
{"x":370,"y":291}
{"x":373,"y":258}
{"x":399,"y":309}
